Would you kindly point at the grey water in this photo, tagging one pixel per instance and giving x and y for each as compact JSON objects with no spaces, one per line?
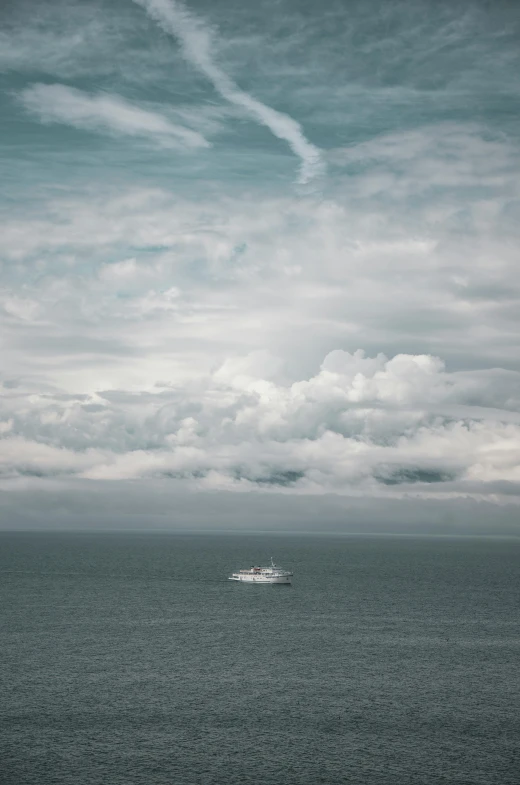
{"x":129,"y":659}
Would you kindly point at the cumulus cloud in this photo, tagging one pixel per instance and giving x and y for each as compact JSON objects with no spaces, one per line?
{"x":362,"y":425}
{"x":57,"y":103}
{"x":195,"y":38}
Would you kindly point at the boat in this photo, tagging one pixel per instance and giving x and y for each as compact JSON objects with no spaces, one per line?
{"x":272,"y":574}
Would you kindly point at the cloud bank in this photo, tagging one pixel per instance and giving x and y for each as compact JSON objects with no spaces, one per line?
{"x":361,"y":425}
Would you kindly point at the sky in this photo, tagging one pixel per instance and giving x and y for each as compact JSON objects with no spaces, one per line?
{"x":259,"y":265}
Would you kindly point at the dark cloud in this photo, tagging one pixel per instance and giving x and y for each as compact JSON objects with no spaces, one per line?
{"x":408,"y":475}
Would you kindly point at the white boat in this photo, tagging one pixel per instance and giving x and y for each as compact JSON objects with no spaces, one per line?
{"x":272,"y":574}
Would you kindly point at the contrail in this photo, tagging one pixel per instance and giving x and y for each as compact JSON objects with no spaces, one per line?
{"x":195,"y":39}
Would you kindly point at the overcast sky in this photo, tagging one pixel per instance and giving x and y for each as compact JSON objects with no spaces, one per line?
{"x":260,"y":264}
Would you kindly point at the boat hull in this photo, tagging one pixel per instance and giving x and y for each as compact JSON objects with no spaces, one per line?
{"x":286,"y":579}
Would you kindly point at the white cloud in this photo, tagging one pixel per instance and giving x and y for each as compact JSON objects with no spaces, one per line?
{"x":133,"y":287}
{"x":105,"y":112}
{"x":117,"y":272}
{"x":22,"y":308}
{"x":451,"y":156}
{"x":55,"y":42}
{"x":361,"y":425}
{"x":196,"y":42}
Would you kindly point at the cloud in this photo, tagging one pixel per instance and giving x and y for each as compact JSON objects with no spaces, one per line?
{"x":20,"y":308}
{"x":66,"y":40}
{"x":368,"y":426}
{"x":56,"y":103}
{"x":180,"y":330}
{"x":450,"y":156}
{"x":69,"y":39}
{"x":176,"y":283}
{"x":195,"y":38}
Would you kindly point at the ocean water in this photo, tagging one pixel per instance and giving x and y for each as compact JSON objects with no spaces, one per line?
{"x":129,"y":659}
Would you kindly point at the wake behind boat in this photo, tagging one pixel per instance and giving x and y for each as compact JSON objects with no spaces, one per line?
{"x":272,"y":574}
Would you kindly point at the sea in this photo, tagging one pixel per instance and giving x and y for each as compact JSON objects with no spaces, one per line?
{"x":130,"y":659}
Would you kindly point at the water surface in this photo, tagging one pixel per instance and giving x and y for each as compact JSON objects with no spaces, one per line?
{"x":131,"y":660}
